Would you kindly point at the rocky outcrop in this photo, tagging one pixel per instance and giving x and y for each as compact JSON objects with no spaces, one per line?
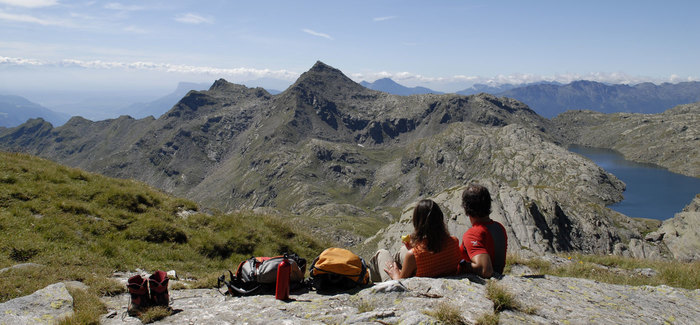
{"x":536,"y":221}
{"x":548,"y":199}
{"x":45,"y":306}
{"x":681,"y":234}
{"x":547,"y":299}
{"x":670,"y":139}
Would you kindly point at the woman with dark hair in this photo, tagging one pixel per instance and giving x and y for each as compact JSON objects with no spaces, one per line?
{"x":430,"y":252}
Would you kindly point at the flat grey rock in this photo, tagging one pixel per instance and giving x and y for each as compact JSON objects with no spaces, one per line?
{"x":21,"y":266}
{"x":45,"y":306}
{"x":553,"y":299}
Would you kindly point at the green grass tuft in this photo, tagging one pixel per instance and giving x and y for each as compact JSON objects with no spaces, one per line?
{"x":502,"y":299}
{"x":365,"y":305}
{"x":87,"y":308}
{"x":447,"y":313}
{"x":487,"y":319}
{"x":154,"y":314}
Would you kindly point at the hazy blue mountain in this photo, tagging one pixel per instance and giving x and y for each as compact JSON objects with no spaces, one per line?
{"x":15,"y":110}
{"x":390,"y":86}
{"x":161,"y":105}
{"x":550,"y":100}
{"x":482,"y":88}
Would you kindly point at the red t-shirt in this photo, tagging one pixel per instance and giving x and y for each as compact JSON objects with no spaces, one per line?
{"x":487,"y":238}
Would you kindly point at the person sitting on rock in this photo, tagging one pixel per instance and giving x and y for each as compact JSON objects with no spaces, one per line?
{"x":486,"y":242}
{"x":430,"y":252}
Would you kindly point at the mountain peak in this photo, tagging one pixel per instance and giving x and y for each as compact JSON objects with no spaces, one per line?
{"x":322,"y":67}
{"x":326,"y":79}
{"x":220,"y":84}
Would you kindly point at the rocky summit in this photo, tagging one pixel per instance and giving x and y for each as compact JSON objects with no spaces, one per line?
{"x":328,"y":149}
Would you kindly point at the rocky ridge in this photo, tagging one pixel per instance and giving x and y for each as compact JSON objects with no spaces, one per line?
{"x":670,"y":139}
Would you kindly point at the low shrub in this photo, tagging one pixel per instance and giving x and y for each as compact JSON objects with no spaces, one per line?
{"x":22,"y":254}
{"x":156,"y":232}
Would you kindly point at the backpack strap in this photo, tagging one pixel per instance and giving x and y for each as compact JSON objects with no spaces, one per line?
{"x":361,"y":278}
{"x":233,"y":290}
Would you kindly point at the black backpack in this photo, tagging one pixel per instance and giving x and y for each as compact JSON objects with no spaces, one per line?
{"x":259,"y":274}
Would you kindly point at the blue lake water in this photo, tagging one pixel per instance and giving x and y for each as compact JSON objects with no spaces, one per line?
{"x":652,"y":191}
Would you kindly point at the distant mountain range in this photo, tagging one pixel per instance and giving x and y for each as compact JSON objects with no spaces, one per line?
{"x":481,"y":88}
{"x":550,"y":99}
{"x":390,"y":86}
{"x":15,"y":110}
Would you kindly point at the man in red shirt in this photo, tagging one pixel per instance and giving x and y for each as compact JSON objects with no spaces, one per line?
{"x":486,"y":242}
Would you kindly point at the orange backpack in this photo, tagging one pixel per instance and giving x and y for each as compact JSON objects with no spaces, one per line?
{"x":338,"y":268}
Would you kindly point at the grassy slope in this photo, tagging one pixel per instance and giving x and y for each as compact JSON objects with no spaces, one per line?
{"x":83,"y":226}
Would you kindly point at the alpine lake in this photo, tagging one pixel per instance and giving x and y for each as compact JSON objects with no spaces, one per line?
{"x":652,"y":192}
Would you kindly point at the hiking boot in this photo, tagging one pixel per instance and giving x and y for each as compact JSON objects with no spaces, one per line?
{"x":138,"y":289}
{"x":158,"y":285}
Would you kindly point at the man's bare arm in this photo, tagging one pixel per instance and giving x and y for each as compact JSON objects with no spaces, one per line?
{"x":481,"y":265}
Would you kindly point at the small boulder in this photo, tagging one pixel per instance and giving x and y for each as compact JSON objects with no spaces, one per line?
{"x":45,"y":306}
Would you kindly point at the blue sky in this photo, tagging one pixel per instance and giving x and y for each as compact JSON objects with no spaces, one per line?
{"x":57,"y":45}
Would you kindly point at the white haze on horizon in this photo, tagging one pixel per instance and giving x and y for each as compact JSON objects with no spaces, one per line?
{"x":145,"y":73}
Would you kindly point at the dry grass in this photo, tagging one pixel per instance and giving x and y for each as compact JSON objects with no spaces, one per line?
{"x":501,"y":298}
{"x":365,"y":305}
{"x":447,"y":313}
{"x":87,"y":308}
{"x":617,"y":270}
{"x":487,"y":319}
{"x":155,"y":314}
